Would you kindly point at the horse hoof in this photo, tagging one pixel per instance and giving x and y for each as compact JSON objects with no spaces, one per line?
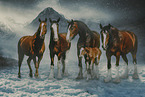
{"x":124,"y":76}
{"x":19,"y":76}
{"x":107,"y":80}
{"x":80,"y":77}
{"x":117,"y":81}
{"x":31,"y":75}
{"x":135,"y":76}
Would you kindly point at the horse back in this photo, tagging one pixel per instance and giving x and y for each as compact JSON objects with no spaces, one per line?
{"x":128,"y":41}
{"x":96,"y":39}
{"x":25,"y":44}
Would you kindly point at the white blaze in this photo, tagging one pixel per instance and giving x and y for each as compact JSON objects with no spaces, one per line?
{"x":54,"y":26}
{"x":68,"y":33}
{"x":104,"y":40}
{"x":41,"y":29}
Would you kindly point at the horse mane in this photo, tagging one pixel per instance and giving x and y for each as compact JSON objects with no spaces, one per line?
{"x":36,"y":33}
{"x":83,"y":27}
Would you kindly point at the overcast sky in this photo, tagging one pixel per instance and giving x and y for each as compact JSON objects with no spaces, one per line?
{"x":24,"y":11}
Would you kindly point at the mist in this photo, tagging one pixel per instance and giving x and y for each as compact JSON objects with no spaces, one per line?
{"x":16,"y":15}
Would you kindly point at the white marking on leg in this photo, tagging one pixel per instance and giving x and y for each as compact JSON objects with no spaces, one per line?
{"x":117,"y":79}
{"x":54,"y":26}
{"x":135,"y":75}
{"x":87,"y":66}
{"x":125,"y":74}
{"x":58,"y":70}
{"x":109,"y":76}
{"x":41,"y":29}
{"x":51,"y":75}
{"x":97,"y":71}
{"x":68,"y":34}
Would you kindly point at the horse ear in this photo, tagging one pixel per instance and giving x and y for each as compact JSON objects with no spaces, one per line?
{"x":58,"y":20}
{"x":45,"y":19}
{"x":50,"y":20}
{"x":72,"y":20}
{"x":110,"y":25}
{"x":39,"y":20}
{"x":101,"y":26}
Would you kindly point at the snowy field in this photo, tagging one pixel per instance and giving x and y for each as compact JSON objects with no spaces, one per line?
{"x":12,"y":86}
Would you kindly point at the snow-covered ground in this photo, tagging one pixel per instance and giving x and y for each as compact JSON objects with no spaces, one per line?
{"x":12,"y":86}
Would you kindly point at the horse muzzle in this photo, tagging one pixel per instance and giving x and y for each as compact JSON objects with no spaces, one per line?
{"x":55,"y":39}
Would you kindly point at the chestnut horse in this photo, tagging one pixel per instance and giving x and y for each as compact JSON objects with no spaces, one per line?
{"x":87,"y":38}
{"x":119,"y":43}
{"x":91,"y":55}
{"x":58,"y":46}
{"x":32,"y":46}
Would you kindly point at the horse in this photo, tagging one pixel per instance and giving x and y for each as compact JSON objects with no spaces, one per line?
{"x":58,"y":46}
{"x":87,"y":38}
{"x":91,"y":54}
{"x":32,"y":46}
{"x":118,"y":43}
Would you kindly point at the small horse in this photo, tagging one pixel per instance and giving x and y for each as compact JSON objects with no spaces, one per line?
{"x":58,"y":46}
{"x":87,"y":38}
{"x":118,"y":42}
{"x":91,"y":55}
{"x":32,"y":46}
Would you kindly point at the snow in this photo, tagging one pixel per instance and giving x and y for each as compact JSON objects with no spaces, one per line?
{"x":11,"y":85}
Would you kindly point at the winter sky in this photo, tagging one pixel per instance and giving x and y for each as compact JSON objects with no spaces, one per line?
{"x":24,"y":11}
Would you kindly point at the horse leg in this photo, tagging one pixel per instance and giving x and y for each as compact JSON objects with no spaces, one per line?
{"x":64,"y":71}
{"x":80,"y":75}
{"x":109,"y":75}
{"x":135,"y":74}
{"x":88,"y":70}
{"x":36,"y":66}
{"x":20,"y":57}
{"x":117,"y":79}
{"x":59,"y":67}
{"x":51,"y":75}
{"x":28,"y":62}
{"x":85,"y":73}
{"x":125,"y":74}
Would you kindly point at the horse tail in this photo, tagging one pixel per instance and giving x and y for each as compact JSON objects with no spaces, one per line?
{"x":135,"y":44}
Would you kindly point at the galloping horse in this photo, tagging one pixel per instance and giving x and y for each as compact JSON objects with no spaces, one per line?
{"x":32,"y":46}
{"x":58,"y":46}
{"x":118,"y":42}
{"x":87,"y":38}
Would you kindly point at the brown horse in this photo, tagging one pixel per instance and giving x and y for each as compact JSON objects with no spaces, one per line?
{"x":118,"y":43}
{"x":91,"y":55}
{"x":58,"y":46}
{"x":32,"y":46}
{"x":87,"y":38}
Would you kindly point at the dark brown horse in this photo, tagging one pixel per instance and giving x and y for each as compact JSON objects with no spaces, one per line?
{"x":32,"y":46}
{"x":58,"y":46}
{"x":87,"y":38}
{"x":118,"y":43}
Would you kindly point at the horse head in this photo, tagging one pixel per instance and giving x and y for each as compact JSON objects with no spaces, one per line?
{"x":72,"y":30}
{"x":54,"y":27}
{"x":42,"y":28}
{"x":105,"y":35}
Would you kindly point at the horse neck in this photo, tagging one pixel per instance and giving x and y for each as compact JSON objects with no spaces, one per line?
{"x":37,"y":39}
{"x":114,"y":37}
